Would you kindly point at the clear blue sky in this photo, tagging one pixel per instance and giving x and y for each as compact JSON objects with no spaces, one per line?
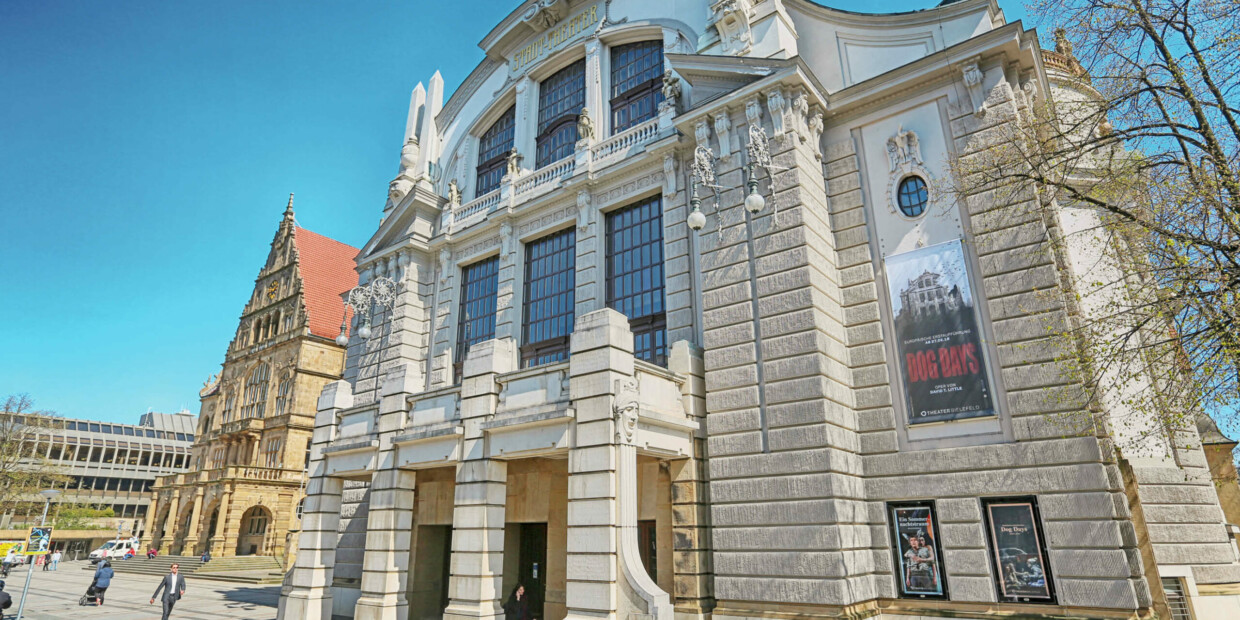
{"x":147,"y":150}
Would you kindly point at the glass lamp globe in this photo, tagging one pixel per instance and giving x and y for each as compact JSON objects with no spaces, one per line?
{"x":754,"y":202}
{"x":364,"y":331}
{"x":696,"y":220}
{"x":342,"y":340}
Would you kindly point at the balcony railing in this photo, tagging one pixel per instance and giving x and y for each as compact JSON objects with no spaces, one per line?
{"x":483,"y":204}
{"x":619,"y":145}
{"x":544,"y":177}
{"x":240,"y":426}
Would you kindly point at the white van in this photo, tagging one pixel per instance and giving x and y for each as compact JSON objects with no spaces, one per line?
{"x":114,"y":550}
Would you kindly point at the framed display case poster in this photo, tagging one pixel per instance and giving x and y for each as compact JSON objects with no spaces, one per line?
{"x":1016,"y":544}
{"x":938,"y":339}
{"x":915,"y":532}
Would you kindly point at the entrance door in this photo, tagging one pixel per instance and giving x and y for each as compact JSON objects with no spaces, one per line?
{"x":533,"y":565}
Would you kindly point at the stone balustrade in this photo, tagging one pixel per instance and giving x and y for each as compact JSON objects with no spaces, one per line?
{"x":479,"y":206}
{"x":241,"y":426}
{"x":545,"y":178}
{"x":618,"y":146}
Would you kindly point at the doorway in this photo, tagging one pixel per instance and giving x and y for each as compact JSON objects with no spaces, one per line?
{"x":532,"y":565}
{"x":431,"y":572}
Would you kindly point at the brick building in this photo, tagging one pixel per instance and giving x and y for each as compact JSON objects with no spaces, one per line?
{"x":609,"y":352}
{"x":247,"y":473}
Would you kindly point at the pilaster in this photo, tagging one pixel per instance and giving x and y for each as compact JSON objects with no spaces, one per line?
{"x":475,"y":587}
{"x":389,"y":526}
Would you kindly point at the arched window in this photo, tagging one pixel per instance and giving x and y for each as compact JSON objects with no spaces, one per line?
{"x":257,"y":325}
{"x":636,"y":83}
{"x":284,"y":393}
{"x":275,"y":327}
{"x":493,"y":149}
{"x":560,"y":99}
{"x":913,"y":196}
{"x":230,"y":401}
{"x":256,"y":392}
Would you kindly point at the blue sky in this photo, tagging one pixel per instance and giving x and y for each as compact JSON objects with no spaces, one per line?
{"x":147,"y":150}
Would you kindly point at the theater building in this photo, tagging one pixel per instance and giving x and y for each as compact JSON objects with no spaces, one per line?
{"x":592,"y":358}
{"x":247,"y":471}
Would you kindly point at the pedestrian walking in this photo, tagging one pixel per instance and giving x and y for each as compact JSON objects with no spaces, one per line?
{"x":173,"y":587}
{"x":56,"y":560}
{"x":518,"y":605}
{"x":10,"y":559}
{"x":103,"y":579}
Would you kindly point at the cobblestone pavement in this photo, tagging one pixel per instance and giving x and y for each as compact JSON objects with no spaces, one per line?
{"x":54,"y":596}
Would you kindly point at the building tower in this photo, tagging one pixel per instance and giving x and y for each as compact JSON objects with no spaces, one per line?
{"x":247,"y":474}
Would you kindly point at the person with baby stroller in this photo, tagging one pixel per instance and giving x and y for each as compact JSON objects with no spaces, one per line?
{"x":103,"y":579}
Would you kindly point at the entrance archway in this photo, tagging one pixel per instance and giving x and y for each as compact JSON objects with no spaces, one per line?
{"x":251,"y":540}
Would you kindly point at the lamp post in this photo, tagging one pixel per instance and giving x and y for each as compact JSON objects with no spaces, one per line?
{"x":381,"y":291}
{"x":48,"y":495}
{"x":703,"y":175}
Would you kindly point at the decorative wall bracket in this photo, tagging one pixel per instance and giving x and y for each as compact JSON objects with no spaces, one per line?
{"x":733,"y":20}
{"x":380,"y":291}
{"x":973,"y":77}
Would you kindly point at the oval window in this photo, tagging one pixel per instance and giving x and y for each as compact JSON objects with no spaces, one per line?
{"x":913,"y":196}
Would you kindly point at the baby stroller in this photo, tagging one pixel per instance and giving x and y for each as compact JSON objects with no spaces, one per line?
{"x":89,"y":598}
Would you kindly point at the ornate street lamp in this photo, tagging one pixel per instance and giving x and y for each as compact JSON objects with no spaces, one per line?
{"x":363,"y":298}
{"x":759,"y":152}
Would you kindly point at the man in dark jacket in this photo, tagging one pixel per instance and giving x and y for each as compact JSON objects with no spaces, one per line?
{"x":173,"y":586}
{"x":6,"y":601}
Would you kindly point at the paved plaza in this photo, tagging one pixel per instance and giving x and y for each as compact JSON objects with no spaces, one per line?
{"x":54,"y":596}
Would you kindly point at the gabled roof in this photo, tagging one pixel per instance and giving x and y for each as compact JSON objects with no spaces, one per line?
{"x":328,"y":270}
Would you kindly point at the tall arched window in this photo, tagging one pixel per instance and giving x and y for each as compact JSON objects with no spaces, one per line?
{"x":560,"y":99}
{"x":230,"y":401}
{"x":256,"y":392}
{"x":636,"y":83}
{"x":493,"y":148}
{"x":275,"y":327}
{"x":284,"y":393}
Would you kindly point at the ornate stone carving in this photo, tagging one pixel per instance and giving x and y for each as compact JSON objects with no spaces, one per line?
{"x":904,"y":157}
{"x":626,"y":406}
{"x":454,"y":194}
{"x":753,"y":112}
{"x":671,"y":91}
{"x":972,"y":74}
{"x":505,"y":238}
{"x":545,"y":13}
{"x":583,"y":210}
{"x":445,"y":265}
{"x":775,"y":105}
{"x":800,"y":112}
{"x":585,"y":126}
{"x":723,"y":131}
{"x":701,"y":131}
{"x":903,"y":149}
{"x":514,"y":164}
{"x":815,"y":132}
{"x":669,"y":176}
{"x":732,"y":19}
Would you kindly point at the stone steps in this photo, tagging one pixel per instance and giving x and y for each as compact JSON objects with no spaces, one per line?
{"x":240,"y":569}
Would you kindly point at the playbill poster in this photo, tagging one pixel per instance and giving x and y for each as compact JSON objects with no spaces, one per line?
{"x":917,"y":550}
{"x":938,"y":343}
{"x":1016,"y":545}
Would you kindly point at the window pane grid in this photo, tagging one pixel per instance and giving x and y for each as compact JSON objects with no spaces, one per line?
{"x":550,"y":278}
{"x":478,"y":303}
{"x":560,"y":99}
{"x":636,"y":83}
{"x":493,"y":149}
{"x":635,"y":275}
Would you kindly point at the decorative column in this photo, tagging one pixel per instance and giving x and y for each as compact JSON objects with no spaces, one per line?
{"x":224,"y":538}
{"x":524,"y":133}
{"x":148,"y":536}
{"x":174,"y":509}
{"x":191,"y":538}
{"x":309,"y":596}
{"x":478,"y":510}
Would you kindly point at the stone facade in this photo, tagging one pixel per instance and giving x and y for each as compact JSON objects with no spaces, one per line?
{"x":752,"y":470}
{"x":242,"y":493}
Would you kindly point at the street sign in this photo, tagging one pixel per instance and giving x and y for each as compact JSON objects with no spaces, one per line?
{"x":39,"y":542}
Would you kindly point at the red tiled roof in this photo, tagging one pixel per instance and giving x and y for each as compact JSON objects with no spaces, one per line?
{"x":327,"y":270}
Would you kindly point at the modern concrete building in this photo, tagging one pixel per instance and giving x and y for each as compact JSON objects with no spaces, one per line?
{"x":243,"y":491}
{"x":115,"y":465}
{"x":631,"y":335}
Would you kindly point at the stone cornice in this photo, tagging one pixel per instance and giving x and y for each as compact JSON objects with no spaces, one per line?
{"x":887,"y":20}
